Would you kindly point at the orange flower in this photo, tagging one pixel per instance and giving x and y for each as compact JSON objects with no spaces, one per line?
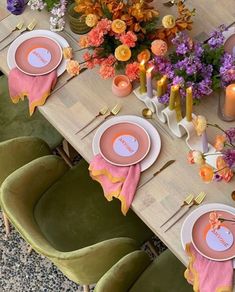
{"x":73,"y":67}
{"x":68,"y":53}
{"x":228,"y":175}
{"x":221,"y":165}
{"x":206,"y":173}
{"x":219,"y":142}
{"x":144,"y":55}
{"x":214,"y":220}
{"x":190,"y":157}
{"x":91,"y":20}
{"x":159,"y":47}
{"x":122,"y":53}
{"x":83,"y":42}
{"x":118,"y":26}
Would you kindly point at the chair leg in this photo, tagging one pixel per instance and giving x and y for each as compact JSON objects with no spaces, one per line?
{"x":86,"y":288}
{"x":152,"y":248}
{"x":6,"y":223}
{"x":64,"y":156}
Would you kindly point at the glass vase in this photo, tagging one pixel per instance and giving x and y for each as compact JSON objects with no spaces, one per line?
{"x":221,"y":108}
{"x":77,"y":21}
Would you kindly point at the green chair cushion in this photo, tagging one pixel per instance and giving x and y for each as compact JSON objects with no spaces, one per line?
{"x":73,"y":213}
{"x":165,"y":274}
{"x":15,"y":120}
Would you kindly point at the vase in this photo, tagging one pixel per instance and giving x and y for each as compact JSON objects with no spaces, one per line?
{"x":221,"y":108}
{"x":77,"y":21}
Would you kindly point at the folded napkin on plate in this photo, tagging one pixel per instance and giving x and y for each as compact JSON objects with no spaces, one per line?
{"x":206,"y":275}
{"x":117,"y":181}
{"x":36,"y":88}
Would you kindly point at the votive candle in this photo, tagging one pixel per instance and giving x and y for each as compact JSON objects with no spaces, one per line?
{"x":189,"y":104}
{"x":229,"y":103}
{"x":149,"y":82}
{"x":173,"y":95}
{"x":142,"y":77}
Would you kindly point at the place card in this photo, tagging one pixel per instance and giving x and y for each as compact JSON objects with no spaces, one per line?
{"x":39,"y":57}
{"x":219,"y":239}
{"x":125,"y":145}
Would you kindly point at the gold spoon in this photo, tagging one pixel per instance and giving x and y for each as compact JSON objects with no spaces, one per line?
{"x":148,"y":114}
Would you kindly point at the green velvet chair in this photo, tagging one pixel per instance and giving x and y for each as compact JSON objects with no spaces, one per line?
{"x":135,"y":273}
{"x":17,"y":152}
{"x":63,"y":215}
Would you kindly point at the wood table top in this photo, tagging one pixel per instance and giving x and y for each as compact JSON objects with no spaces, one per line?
{"x":76,"y":103}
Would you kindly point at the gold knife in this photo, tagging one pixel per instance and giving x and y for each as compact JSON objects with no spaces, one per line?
{"x":168,"y":163}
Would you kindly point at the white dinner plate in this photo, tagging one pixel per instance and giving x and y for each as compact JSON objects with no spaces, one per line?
{"x":153,"y":134}
{"x":186,"y":230}
{"x":25,"y":36}
{"x":227,"y":34}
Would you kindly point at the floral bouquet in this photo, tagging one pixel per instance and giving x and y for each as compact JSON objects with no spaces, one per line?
{"x":203,"y":66}
{"x":122,"y":32}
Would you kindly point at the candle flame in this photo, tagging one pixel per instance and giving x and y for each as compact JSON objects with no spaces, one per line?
{"x":189,"y":89}
{"x":149,"y":70}
{"x":142,"y":62}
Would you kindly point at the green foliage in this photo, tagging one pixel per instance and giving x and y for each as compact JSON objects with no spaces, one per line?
{"x":150,"y":26}
{"x":106,"y":12}
{"x":51,"y":3}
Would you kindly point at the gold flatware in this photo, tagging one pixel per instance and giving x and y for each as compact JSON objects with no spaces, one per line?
{"x":18,"y":27}
{"x":187,"y":201}
{"x":197,"y":201}
{"x":102,"y":112}
{"x":168,"y":163}
{"x":113,"y":112}
{"x":30,"y":27}
{"x":148,"y":114}
{"x":170,"y":3}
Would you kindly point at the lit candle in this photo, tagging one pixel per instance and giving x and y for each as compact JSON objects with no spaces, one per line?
{"x":189,"y":104}
{"x":173,"y":95}
{"x":229,"y":103}
{"x":178,"y":107}
{"x":160,"y":88}
{"x":142,"y":77}
{"x":149,"y":82}
{"x":122,"y":84}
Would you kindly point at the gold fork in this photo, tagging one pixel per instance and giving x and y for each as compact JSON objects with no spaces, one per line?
{"x":115,"y":110}
{"x":187,"y":201}
{"x":103,"y":111}
{"x":197,"y":201}
{"x":18,"y":27}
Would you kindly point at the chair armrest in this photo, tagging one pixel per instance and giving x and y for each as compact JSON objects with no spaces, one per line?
{"x":124,"y":273}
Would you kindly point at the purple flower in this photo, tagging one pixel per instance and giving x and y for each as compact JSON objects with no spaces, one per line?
{"x":178,"y":81}
{"x":216,"y":38}
{"x":230,"y":133}
{"x":164,"y":98}
{"x":16,"y":7}
{"x":229,"y":157}
{"x":217,"y":177}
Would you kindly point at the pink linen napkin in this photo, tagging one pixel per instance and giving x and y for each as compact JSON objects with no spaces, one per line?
{"x":116,"y":181}
{"x":206,"y":275}
{"x":36,"y":88}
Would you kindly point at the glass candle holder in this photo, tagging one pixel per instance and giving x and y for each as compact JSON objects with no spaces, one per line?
{"x":121,"y":85}
{"x":226,"y":106}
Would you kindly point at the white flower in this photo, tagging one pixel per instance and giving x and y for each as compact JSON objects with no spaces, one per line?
{"x":198,"y":157}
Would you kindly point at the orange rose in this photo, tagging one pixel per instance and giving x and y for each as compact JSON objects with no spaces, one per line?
{"x":206,"y":173}
{"x":73,"y":67}
{"x":122,"y":53}
{"x":118,"y":26}
{"x":144,"y":55}
{"x":219,"y":142}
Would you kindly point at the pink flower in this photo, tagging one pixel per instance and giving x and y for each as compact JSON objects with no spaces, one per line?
{"x":133,"y":71}
{"x":95,"y":37}
{"x":106,"y":71}
{"x":109,"y":61}
{"x":128,"y":39}
{"x":89,"y":60}
{"x":190,"y":157}
{"x":214,"y":220}
{"x":227,"y":176}
{"x":104,"y":25}
{"x":159,"y":48}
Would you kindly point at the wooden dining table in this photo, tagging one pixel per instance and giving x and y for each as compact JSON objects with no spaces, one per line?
{"x":81,"y":99}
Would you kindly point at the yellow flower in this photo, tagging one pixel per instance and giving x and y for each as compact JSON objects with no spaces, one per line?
{"x":198,"y":157}
{"x":91,"y":20}
{"x":83,"y":42}
{"x":168,"y":21}
{"x":122,"y":53}
{"x":200,"y":124}
{"x":144,"y":55}
{"x":68,"y":53}
{"x":118,"y":26}
{"x":73,"y":67}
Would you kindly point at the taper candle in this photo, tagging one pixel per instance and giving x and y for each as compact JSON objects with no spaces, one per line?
{"x":178,"y":107}
{"x":160,"y":88}
{"x":164,"y":81}
{"x":149,"y":82}
{"x":189,"y":104}
{"x":173,"y":95}
{"x":229,"y":103}
{"x":142,"y":77}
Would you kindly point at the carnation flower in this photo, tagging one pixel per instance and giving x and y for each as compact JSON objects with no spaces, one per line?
{"x":89,"y":60}
{"x":95,"y":37}
{"x":83,"y":42}
{"x":106,"y":71}
{"x":73,"y":67}
{"x":68,"y":53}
{"x":104,"y":25}
{"x":109,"y":61}
{"x":128,"y":39}
{"x":133,"y":71}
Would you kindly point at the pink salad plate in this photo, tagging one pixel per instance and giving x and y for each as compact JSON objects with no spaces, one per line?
{"x":218,"y":244}
{"x":38,"y":56}
{"x":124,"y":144}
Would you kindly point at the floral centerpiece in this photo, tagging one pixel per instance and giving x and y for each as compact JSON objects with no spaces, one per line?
{"x":122,"y":32}
{"x":203,"y":66}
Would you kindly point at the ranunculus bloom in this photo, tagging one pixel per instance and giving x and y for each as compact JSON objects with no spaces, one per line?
{"x":198,"y":157}
{"x":122,"y":53}
{"x":206,"y":173}
{"x":168,"y":21}
{"x":214,"y":220}
{"x":118,"y":26}
{"x":128,"y":39}
{"x":144,"y":55}
{"x":91,"y":20}
{"x":190,"y":157}
{"x":73,"y":67}
{"x":133,"y":71}
{"x":200,"y":124}
{"x":83,"y":42}
{"x":219,"y":142}
{"x":159,"y":48}
{"x":16,"y":7}
{"x":68,"y":53}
